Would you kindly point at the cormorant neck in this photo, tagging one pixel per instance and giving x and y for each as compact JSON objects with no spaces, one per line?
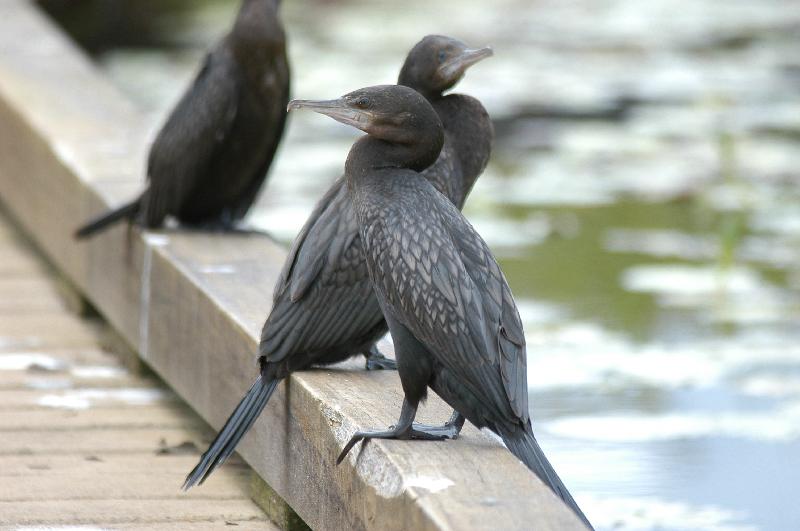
{"x":258,"y":31}
{"x":431,"y":94}
{"x":417,"y":153}
{"x":370,"y":153}
{"x":470,"y":133}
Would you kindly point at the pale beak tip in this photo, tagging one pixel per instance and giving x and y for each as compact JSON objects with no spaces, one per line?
{"x":296,"y":104}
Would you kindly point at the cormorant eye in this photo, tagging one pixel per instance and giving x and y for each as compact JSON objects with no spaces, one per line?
{"x":362,"y":103}
{"x":442,"y":56}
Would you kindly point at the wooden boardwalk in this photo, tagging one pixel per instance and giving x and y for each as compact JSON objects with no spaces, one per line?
{"x":82,"y":440}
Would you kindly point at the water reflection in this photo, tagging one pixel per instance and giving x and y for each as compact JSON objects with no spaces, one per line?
{"x":643,"y":199}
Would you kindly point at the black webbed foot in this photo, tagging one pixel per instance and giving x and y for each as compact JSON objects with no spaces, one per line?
{"x":225,"y":223}
{"x":444,"y":431}
{"x":406,"y":429}
{"x":424,"y":433}
{"x":226,"y":228}
{"x":449,"y":430}
{"x":247,"y":231}
{"x":377,"y":361}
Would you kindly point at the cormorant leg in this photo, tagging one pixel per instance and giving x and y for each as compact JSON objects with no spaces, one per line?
{"x":450,"y":430}
{"x":224,"y":226}
{"x":247,"y":230}
{"x":231,"y":222}
{"x":404,"y":430}
{"x":377,"y":361}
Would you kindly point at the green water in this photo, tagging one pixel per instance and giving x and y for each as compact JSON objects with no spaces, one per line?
{"x":643,"y":202}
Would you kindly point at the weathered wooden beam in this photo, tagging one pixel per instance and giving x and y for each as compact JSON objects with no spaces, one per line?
{"x":192,"y":306}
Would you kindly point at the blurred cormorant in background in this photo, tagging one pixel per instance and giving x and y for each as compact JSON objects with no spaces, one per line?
{"x":211,"y":157}
{"x":324,"y":310}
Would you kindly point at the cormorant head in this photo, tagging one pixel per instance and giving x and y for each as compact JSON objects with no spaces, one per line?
{"x":436,"y":63}
{"x":397,"y":115}
{"x":258,"y":25}
{"x":258,"y":9}
{"x":390,"y":112}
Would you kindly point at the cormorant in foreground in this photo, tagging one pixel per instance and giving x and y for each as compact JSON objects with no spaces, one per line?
{"x":324,"y":310}
{"x":211,"y":157}
{"x":451,"y":314}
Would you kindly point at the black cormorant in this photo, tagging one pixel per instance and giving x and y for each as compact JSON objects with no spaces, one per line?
{"x":211,"y":157}
{"x":453,"y":320}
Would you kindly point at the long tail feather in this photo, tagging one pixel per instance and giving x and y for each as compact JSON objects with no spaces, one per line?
{"x":235,"y":428}
{"x":523,"y":444}
{"x":126,"y":211}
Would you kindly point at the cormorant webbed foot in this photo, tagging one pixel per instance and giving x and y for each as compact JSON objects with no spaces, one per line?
{"x":377,"y":361}
{"x":425,"y":433}
{"x":450,"y":430}
{"x":405,"y":429}
{"x":224,"y":227}
{"x":247,"y":230}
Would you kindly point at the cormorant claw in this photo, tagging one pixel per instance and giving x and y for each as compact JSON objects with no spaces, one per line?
{"x":417,"y":431}
{"x":377,"y":361}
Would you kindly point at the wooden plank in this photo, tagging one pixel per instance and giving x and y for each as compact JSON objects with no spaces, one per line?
{"x":30,"y":358}
{"x":17,"y":262}
{"x":93,"y":441}
{"x":98,"y":482}
{"x":165,"y":467}
{"x":232,"y":525}
{"x":82,"y":402}
{"x":173,"y":297}
{"x":140,"y":512}
{"x":145,"y":417}
{"x":27,"y":294}
{"x":82,"y":376}
{"x":44,"y":330}
{"x":139,"y":395}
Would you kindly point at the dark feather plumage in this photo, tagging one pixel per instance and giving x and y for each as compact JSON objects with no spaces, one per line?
{"x":439,"y":279}
{"x":453,"y":319}
{"x":451,"y":309}
{"x":211,"y":156}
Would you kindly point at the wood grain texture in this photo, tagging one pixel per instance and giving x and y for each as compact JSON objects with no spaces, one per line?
{"x":82,"y":440}
{"x":193,"y":305}
{"x":140,"y":512}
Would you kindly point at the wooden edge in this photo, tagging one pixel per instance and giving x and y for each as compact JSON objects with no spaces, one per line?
{"x":192,"y":306}
{"x":276,"y":507}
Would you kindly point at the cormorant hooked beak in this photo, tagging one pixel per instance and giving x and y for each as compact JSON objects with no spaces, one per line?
{"x":455,"y":67}
{"x":339,"y":109}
